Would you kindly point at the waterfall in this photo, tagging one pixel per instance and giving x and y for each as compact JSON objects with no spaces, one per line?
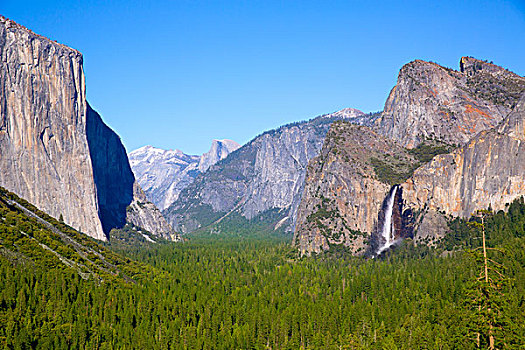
{"x":388,"y":230}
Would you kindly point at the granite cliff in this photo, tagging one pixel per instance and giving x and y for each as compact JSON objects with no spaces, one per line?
{"x":142,"y":213}
{"x":163,"y":174}
{"x":111,"y":171}
{"x":454,"y":127}
{"x":435,"y":102}
{"x":489,"y":171}
{"x":346,"y":186}
{"x":55,"y":150}
{"x":219,"y":150}
{"x":261,"y":181}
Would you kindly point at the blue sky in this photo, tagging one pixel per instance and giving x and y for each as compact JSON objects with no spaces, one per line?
{"x":177,"y":74}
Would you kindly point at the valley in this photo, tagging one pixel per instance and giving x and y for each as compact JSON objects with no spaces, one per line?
{"x":397,"y":229}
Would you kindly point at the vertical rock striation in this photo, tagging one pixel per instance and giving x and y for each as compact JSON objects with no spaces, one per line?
{"x":44,"y":152}
{"x":488,"y":171}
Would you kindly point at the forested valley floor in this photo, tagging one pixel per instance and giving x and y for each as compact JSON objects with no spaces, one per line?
{"x":239,"y":291}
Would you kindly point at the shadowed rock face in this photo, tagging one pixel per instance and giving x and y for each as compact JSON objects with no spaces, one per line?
{"x":55,"y":151}
{"x":111,"y":171}
{"x":434,"y":102}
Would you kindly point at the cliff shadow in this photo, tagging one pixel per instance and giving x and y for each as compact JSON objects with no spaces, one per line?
{"x":111,"y":170}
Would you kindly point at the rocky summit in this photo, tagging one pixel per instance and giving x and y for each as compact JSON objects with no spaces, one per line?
{"x":144,"y":214}
{"x":451,"y":143}
{"x":430,"y":101}
{"x":163,"y":174}
{"x":55,"y":150}
{"x":218,"y":151}
{"x":260,"y":182}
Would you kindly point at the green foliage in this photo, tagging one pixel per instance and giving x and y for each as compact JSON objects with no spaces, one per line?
{"x":234,"y":224}
{"x":425,"y":151}
{"x":33,"y":237}
{"x":232,"y":292}
{"x":493,"y":303}
{"x":323,"y":219}
{"x":394,"y":171}
{"x":488,"y":306}
{"x":389,"y":173}
{"x":500,"y":228}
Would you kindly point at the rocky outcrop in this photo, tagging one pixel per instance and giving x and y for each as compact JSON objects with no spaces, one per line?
{"x":434,"y":102}
{"x":218,"y":151}
{"x":55,"y":151}
{"x":489,"y":171}
{"x":144,"y":214}
{"x":492,"y":83}
{"x":346,"y":189}
{"x":163,"y":174}
{"x":265,"y":175}
{"x":431,"y":106}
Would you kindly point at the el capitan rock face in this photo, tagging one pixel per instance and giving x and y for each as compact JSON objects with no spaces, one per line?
{"x":434,"y":102}
{"x":44,"y":152}
{"x":55,"y":151}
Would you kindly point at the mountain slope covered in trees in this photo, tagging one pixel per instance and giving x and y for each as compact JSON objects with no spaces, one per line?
{"x":253,"y":292}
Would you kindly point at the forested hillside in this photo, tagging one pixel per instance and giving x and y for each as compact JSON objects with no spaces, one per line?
{"x":233,"y":292}
{"x":33,"y":239}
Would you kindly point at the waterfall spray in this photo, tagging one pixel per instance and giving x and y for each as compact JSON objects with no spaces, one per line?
{"x":388,"y":230}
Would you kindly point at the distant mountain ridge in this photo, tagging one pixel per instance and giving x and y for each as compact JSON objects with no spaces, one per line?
{"x":262,"y":180}
{"x":163,"y":174}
